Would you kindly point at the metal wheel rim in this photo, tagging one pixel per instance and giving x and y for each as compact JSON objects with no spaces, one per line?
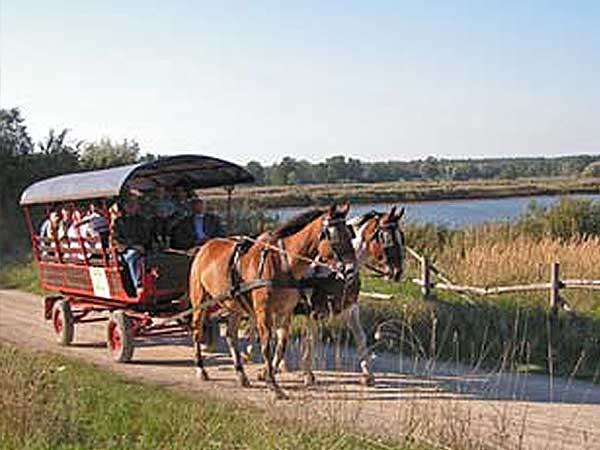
{"x":58,"y":322}
{"x":115,"y":337}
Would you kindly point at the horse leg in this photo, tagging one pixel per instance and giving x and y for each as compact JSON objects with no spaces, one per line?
{"x":233,"y":324}
{"x":360,"y":340}
{"x":282,"y":334}
{"x":197,"y":328}
{"x":263,"y":325}
{"x":308,"y":351}
{"x":251,"y":338}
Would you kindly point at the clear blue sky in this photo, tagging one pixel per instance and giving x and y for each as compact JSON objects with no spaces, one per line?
{"x":261,"y":80}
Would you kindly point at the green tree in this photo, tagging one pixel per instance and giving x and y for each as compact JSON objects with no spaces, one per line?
{"x":56,"y":155}
{"x":106,"y":153}
{"x":336,"y":169}
{"x":257,"y":171}
{"x":15,"y":147}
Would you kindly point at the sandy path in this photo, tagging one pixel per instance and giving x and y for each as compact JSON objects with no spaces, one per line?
{"x":449,"y":403}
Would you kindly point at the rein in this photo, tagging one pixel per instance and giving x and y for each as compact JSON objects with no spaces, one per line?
{"x":285,"y":253}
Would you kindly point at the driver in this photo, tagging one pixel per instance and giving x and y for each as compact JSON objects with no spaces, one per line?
{"x":197,"y":228}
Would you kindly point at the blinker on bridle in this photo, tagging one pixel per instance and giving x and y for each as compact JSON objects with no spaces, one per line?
{"x":392,"y":240}
{"x":330,"y":225}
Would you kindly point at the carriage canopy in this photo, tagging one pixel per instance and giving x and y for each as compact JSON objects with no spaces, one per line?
{"x":191,"y":171}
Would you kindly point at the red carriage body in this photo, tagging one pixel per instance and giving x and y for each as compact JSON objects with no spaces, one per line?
{"x":90,"y":281}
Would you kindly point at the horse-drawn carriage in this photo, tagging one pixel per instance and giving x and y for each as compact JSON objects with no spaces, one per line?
{"x":91,"y":278}
{"x":264,"y":278}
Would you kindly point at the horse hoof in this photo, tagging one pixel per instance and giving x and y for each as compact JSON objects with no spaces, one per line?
{"x":243,"y":380}
{"x":280,"y":395}
{"x":367,"y":380}
{"x":201,"y":374}
{"x":247,"y":357}
{"x":309,"y":379}
{"x":283,"y":367}
{"x":260,"y":375}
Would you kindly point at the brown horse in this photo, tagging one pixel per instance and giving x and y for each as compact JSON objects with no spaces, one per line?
{"x":275,"y":265}
{"x":378,"y":242}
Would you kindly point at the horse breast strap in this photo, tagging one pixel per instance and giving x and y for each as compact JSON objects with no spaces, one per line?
{"x":235,"y":278}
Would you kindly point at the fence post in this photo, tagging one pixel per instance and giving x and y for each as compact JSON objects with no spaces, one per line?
{"x":425,"y":277}
{"x":555,"y":287}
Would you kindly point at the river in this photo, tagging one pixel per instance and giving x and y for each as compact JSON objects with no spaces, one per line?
{"x":456,"y":213}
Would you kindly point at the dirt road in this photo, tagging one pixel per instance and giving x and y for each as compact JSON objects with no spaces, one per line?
{"x":448,"y":404}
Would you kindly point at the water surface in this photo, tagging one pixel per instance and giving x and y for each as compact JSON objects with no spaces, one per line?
{"x":457,"y":213}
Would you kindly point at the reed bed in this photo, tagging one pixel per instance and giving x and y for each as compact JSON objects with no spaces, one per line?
{"x":521,"y":260}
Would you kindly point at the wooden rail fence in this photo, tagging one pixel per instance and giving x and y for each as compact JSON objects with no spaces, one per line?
{"x":555,"y":284}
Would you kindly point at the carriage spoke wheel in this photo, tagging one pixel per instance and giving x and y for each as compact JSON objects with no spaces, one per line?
{"x":62,"y":322}
{"x":119,"y":337}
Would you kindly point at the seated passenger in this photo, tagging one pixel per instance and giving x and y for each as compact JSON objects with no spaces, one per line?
{"x":66,"y":218}
{"x":134,"y":236}
{"x":95,"y":227}
{"x":75,"y":236}
{"x":164,"y":210}
{"x":49,"y":233}
{"x":181,"y":199}
{"x":197,"y":228}
{"x":49,"y":226}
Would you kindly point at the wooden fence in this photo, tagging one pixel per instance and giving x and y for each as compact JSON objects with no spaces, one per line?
{"x":554,"y":285}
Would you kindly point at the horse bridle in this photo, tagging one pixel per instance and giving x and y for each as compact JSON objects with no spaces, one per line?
{"x":331,"y":233}
{"x":392,"y":240}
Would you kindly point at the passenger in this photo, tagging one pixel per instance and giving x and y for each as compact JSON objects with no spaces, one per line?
{"x":114,"y":212}
{"x":134,"y":236}
{"x":49,"y":233}
{"x":182,"y":205}
{"x":49,"y":223}
{"x":95,"y":227}
{"x":66,"y":218}
{"x":164,"y":211}
{"x":75,"y":236}
{"x":197,"y":228}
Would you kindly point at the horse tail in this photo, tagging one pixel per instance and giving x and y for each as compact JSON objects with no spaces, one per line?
{"x":196,"y":291}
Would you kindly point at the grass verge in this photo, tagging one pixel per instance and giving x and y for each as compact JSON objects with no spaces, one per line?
{"x":504,"y":333}
{"x":51,"y":402}
{"x":20,"y":275}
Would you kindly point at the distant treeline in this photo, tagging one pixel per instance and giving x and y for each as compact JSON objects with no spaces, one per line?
{"x":339,"y":169}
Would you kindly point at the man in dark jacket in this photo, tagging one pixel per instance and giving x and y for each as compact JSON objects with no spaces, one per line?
{"x":196,"y":228}
{"x":134,"y":235}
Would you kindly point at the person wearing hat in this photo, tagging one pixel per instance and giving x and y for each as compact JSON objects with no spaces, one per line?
{"x":196,"y":228}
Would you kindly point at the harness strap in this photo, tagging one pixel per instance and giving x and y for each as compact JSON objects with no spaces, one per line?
{"x":261,"y":263}
{"x":284,"y":256}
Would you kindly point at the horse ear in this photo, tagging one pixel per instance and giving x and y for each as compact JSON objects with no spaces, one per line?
{"x":400,"y":214}
{"x":332,"y":210}
{"x":345,"y":209}
{"x":392,"y":213}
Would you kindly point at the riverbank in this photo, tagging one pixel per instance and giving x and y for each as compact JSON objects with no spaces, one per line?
{"x":396,"y":192}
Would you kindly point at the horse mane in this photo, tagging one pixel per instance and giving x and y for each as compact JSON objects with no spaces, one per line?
{"x":366,"y":217}
{"x":297,"y":223}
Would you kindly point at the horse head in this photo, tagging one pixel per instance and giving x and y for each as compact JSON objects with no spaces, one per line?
{"x":384,"y":243}
{"x":335,"y":239}
{"x":338,"y":288}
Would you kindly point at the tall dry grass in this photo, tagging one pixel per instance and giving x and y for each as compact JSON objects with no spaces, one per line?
{"x":521,"y":260}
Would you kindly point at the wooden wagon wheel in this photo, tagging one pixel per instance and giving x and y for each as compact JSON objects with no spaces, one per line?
{"x":63,"y":322}
{"x":119,"y":337}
